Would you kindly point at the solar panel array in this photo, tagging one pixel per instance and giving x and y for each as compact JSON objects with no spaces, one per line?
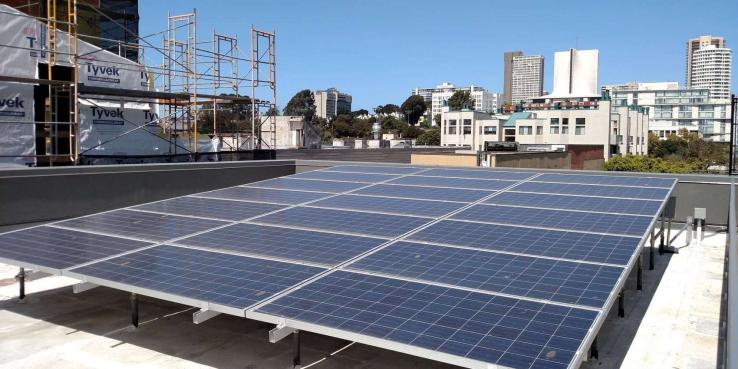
{"x":467,"y":266}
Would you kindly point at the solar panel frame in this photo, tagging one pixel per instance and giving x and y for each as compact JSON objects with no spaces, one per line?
{"x":218,"y":209}
{"x":573,"y":202}
{"x":606,"y":180}
{"x":307,"y":185}
{"x":376,"y":169}
{"x":330,"y":175}
{"x":263,"y":195}
{"x":389,"y":205}
{"x":450,"y":182}
{"x":424,"y":193}
{"x":647,"y":193}
{"x":480,"y":174}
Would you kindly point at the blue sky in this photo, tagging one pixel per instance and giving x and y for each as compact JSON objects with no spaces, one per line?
{"x":379,"y":50}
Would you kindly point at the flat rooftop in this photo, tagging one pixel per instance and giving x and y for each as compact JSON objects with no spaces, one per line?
{"x":674,"y":322}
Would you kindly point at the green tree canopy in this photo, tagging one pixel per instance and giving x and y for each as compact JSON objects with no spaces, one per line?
{"x":431,"y":137}
{"x":302,"y":104}
{"x":437,"y":119}
{"x":387,"y":109}
{"x":416,"y":106}
{"x":360,"y":112}
{"x":461,"y":100}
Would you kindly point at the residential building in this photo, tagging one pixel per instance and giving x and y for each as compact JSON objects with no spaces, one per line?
{"x":711,"y":69}
{"x":673,"y":109}
{"x":508,"y":67}
{"x":470,"y":128}
{"x":331,"y":102}
{"x":696,"y":44}
{"x":483,"y":99}
{"x":526,"y":78}
{"x":292,"y":132}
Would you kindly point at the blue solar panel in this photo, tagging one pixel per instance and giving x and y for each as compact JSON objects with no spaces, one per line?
{"x":210,"y":208}
{"x":567,"y":202}
{"x":264,"y":195}
{"x":594,"y":190}
{"x":287,"y":183}
{"x":555,"y":280}
{"x":531,"y":241}
{"x":375,"y":169}
{"x":57,"y":248}
{"x":474,"y":184}
{"x":425,"y":193}
{"x":141,"y":225}
{"x":390,"y":205}
{"x":293,"y":244}
{"x":491,"y":329}
{"x":344,"y":176}
{"x":380,"y":225}
{"x":479,"y":174}
{"x":228,"y":280}
{"x":607,"y":180}
{"x":560,"y":219}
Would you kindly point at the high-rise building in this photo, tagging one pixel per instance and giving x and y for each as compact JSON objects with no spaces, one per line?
{"x":331,"y":102}
{"x":709,"y":65}
{"x":576,"y":74}
{"x":527,"y":77}
{"x":438,"y":102}
{"x":507,"y":63}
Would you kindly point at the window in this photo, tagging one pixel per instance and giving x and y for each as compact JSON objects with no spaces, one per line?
{"x":539,"y":130}
{"x":452,"y":126}
{"x":554,"y":130}
{"x":525,"y":130}
{"x":579,"y":129}
{"x":467,"y":126}
{"x":490,"y":130}
{"x":565,"y":126}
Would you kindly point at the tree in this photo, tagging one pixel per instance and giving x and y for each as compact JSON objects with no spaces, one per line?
{"x":359,"y":112}
{"x":461,"y":100}
{"x":431,"y":137}
{"x":411,"y":132}
{"x":387,"y":109}
{"x":416,"y":107}
{"x":302,"y":104}
{"x":437,"y":119}
{"x":639,"y":163}
{"x":273,"y":111}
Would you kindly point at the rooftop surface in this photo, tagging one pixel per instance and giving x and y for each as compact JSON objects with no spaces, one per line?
{"x":674,"y":322}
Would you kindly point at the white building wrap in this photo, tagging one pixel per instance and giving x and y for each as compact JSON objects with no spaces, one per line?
{"x":17,"y":132}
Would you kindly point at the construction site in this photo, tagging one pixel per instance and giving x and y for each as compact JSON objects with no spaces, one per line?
{"x":80,"y":86}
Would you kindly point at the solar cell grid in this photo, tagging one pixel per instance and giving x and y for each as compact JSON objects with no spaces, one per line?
{"x":560,"y":219}
{"x":57,"y":248}
{"x":567,"y":202}
{"x":546,"y":279}
{"x":531,"y":241}
{"x":390,"y":205}
{"x":344,"y":176}
{"x":141,"y":225}
{"x":487,"y":328}
{"x":465,"y":183}
{"x":479,"y":174}
{"x":607,"y":180}
{"x":594,"y":190}
{"x":424,"y":193}
{"x":380,"y":225}
{"x":287,"y":183}
{"x":285,"y":197}
{"x":375,"y":169}
{"x":285,"y":243}
{"x":210,"y":208}
{"x":228,"y":280}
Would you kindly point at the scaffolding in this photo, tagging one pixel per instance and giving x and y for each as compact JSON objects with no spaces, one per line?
{"x":195,"y":86}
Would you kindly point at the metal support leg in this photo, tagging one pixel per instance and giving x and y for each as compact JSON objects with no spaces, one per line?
{"x":668,"y":232}
{"x":134,"y":310}
{"x":650,"y":251}
{"x":661,"y":236}
{"x":621,"y":304}
{"x":594,"y":353}
{"x":296,"y":349}
{"x":639,"y":276}
{"x":21,"y":277}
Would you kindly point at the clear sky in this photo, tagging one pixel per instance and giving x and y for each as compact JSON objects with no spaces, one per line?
{"x":378,"y":50}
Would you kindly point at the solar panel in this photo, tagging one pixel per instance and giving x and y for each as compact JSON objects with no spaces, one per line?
{"x":479,"y":174}
{"x":370,"y":224}
{"x":375,"y":169}
{"x":607,"y":180}
{"x":485,"y":328}
{"x":424,"y":193}
{"x":141,"y":225}
{"x":55,"y":249}
{"x":531,"y":241}
{"x":390,"y":205}
{"x":344,"y":176}
{"x":210,"y":208}
{"x":546,"y":279}
{"x":568,"y":202}
{"x":560,"y":219}
{"x":288,"y":183}
{"x":285,"y":243}
{"x":475,"y":184}
{"x":647,"y":193}
{"x":264,"y":195}
{"x":228,"y":280}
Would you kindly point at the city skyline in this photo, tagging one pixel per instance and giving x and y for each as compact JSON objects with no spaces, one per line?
{"x":377,"y":55}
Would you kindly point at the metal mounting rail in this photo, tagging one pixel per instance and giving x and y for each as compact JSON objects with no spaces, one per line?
{"x":731,"y":340}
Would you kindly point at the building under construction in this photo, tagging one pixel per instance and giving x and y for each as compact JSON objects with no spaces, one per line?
{"x":78,"y":85}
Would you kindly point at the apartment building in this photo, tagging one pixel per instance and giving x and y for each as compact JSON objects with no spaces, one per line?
{"x":708,"y":60}
{"x":437,"y":98}
{"x":469,"y":128}
{"x":331,"y":102}
{"x":523,"y":77}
